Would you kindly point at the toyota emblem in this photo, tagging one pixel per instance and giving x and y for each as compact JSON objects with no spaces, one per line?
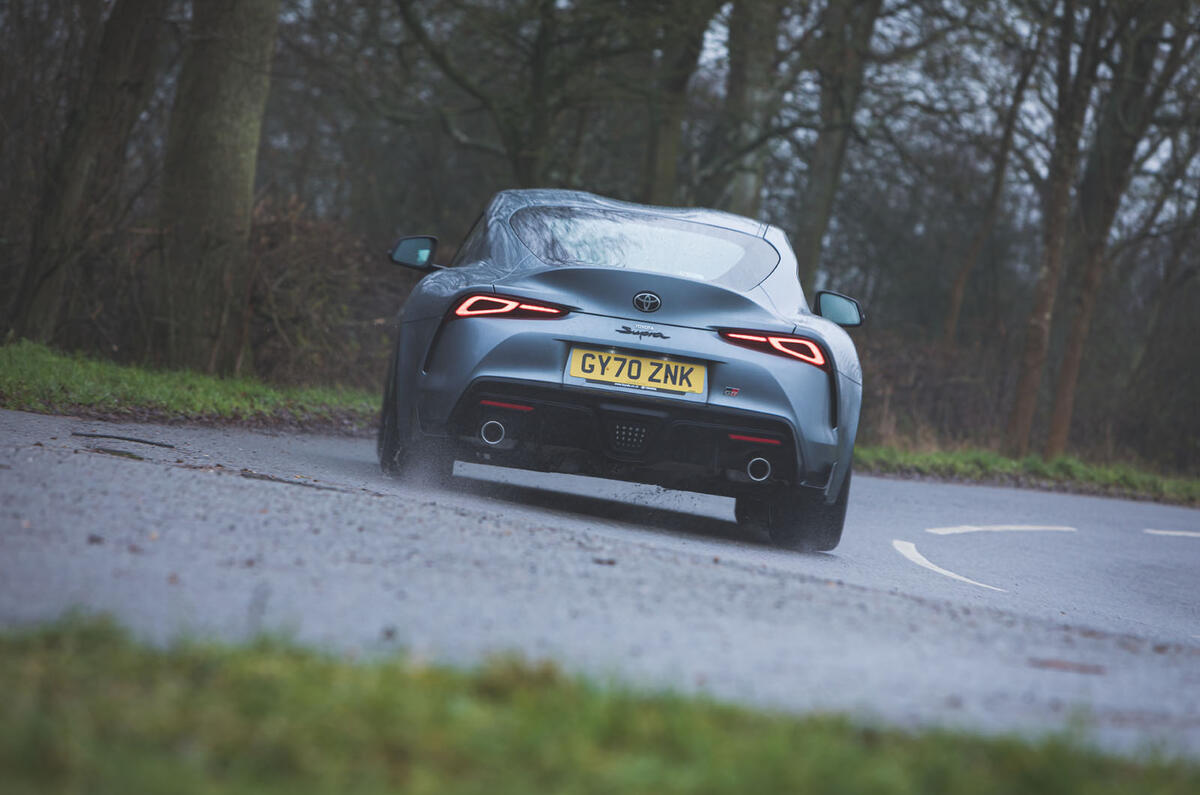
{"x":647,"y":302}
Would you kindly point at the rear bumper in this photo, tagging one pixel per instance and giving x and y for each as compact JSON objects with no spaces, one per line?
{"x":565,"y":428}
{"x":445,"y":368}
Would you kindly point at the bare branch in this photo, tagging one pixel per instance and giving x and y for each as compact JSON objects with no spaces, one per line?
{"x":442,"y":59}
{"x":462,"y":139}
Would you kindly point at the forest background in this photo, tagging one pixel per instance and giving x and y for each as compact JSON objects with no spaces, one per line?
{"x":1012,"y":189}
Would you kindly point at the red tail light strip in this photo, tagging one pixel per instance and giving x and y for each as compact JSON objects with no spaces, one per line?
{"x":794,"y":347}
{"x":500,"y":405}
{"x":476,"y":305}
{"x":737,"y":437}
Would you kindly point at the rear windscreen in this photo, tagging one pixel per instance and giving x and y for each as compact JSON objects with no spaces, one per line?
{"x":618,"y":239}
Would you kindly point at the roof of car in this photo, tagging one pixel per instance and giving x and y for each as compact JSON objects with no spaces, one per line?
{"x":507,"y":202}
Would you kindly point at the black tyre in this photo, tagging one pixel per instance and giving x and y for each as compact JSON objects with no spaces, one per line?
{"x":798,"y":518}
{"x":390,"y":445}
{"x":402,"y":451}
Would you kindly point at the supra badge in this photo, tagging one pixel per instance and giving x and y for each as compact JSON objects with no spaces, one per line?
{"x":641,"y":332}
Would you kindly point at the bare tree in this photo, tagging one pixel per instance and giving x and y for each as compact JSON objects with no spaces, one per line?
{"x":840,"y":55}
{"x":679,"y":27}
{"x":750,"y":97}
{"x":1080,"y":47}
{"x":1157,"y":413}
{"x":1000,"y":160}
{"x":535,"y":61}
{"x":208,"y":183}
{"x":1142,"y":76}
{"x":80,"y":185}
{"x":1181,"y":263}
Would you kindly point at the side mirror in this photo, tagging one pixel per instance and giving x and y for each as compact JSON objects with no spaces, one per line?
{"x":841,"y":309}
{"x":414,"y":252}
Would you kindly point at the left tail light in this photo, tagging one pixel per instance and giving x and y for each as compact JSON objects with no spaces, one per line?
{"x":804,"y":350}
{"x":490,"y":305}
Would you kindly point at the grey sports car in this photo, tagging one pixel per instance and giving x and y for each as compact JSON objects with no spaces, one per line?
{"x":573,"y":333}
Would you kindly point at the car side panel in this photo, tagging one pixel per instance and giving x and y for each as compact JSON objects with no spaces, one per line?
{"x":849,"y":407}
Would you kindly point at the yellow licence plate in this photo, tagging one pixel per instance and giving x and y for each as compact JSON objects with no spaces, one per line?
{"x":641,"y":372}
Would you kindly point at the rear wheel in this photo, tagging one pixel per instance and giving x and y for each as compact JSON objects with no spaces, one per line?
{"x":798,"y":518}
{"x":390,"y":445}
{"x":402,"y":451}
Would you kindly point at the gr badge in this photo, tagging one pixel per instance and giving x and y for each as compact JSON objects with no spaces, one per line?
{"x":732,"y":391}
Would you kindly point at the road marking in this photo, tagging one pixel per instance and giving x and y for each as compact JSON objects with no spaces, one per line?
{"x":995,"y":528}
{"x":1185,"y":533}
{"x":909,"y":550}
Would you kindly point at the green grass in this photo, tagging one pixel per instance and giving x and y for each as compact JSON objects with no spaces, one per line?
{"x":35,"y":378}
{"x":86,"y":710}
{"x":984,"y":465}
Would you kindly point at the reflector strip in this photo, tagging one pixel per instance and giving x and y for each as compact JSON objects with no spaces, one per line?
{"x":499,"y":405}
{"x":737,"y":437}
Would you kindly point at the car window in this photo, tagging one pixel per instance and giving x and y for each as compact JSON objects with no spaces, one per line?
{"x":474,"y":245}
{"x":645,"y":242}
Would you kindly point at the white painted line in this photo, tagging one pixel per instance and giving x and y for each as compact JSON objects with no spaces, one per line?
{"x":1185,"y":533}
{"x":909,"y":550}
{"x":995,"y":528}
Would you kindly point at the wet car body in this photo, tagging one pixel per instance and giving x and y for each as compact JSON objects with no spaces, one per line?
{"x":574,"y":333}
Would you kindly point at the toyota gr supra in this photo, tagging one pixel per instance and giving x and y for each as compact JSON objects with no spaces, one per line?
{"x":577,"y":334}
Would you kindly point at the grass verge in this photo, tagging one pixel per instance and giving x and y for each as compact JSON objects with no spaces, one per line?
{"x":1065,"y":473}
{"x":86,"y":709}
{"x":36,"y":378}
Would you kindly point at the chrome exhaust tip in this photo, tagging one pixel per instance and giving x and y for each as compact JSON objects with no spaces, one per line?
{"x":492,"y":432}
{"x":758,"y":469}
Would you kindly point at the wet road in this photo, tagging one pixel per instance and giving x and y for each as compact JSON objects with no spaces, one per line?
{"x":987,"y":608}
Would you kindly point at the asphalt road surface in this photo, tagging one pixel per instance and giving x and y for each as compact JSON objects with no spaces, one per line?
{"x":991,"y":609}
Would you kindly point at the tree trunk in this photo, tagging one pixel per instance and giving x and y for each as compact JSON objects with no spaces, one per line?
{"x":208,"y":181}
{"x":681,"y":52}
{"x":1135,"y":95}
{"x":841,"y":62}
{"x":91,"y":155}
{"x":530,"y":161}
{"x":1068,"y":371}
{"x":1073,"y":93}
{"x":664,"y":156}
{"x":753,"y":27}
{"x":1037,"y":327}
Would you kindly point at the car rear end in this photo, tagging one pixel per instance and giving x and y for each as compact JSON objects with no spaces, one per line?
{"x":711,"y":392}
